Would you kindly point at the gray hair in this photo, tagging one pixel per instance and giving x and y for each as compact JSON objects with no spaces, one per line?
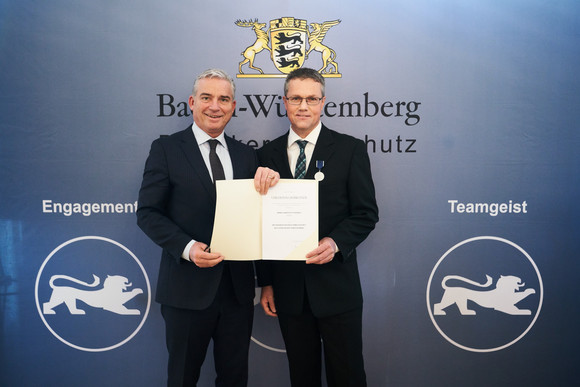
{"x":304,"y":73}
{"x":214,"y":73}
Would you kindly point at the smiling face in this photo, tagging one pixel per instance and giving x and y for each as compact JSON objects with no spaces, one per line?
{"x":212,"y":105}
{"x":303,"y":117}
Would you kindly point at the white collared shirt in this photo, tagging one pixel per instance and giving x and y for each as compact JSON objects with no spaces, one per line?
{"x":294,"y":149}
{"x":222,"y":151}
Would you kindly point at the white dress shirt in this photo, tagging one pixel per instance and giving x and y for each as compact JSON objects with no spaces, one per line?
{"x":294,"y":148}
{"x":222,"y":151}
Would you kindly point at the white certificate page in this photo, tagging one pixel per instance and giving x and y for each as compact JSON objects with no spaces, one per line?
{"x":282,"y":225}
{"x":290,"y":220}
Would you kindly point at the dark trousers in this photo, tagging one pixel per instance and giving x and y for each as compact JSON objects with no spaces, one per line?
{"x":188,"y":333}
{"x":341,"y":337}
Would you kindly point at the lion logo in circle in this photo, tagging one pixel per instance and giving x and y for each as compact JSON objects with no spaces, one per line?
{"x":503,"y":298}
{"x":111,"y":297}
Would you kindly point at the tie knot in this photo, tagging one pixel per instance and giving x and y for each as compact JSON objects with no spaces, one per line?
{"x":213,"y":144}
{"x":302,"y":144}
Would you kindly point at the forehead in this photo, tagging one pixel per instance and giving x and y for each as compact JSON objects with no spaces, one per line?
{"x":304,"y":87}
{"x":214,"y":86}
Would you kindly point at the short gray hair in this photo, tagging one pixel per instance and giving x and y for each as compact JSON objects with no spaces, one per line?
{"x":214,"y":73}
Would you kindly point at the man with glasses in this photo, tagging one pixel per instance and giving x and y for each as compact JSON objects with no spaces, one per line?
{"x":319,"y":303}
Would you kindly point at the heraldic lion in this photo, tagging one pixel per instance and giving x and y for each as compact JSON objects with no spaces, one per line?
{"x":111,"y":297}
{"x":503,"y":298}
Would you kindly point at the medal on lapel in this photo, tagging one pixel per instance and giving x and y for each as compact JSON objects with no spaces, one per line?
{"x":319,"y":176}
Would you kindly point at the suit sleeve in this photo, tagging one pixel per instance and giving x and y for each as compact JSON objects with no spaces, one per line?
{"x":363,"y":209}
{"x":154,"y":194}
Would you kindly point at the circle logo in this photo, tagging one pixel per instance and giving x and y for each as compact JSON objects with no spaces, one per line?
{"x":93,"y":294}
{"x":484,"y":294}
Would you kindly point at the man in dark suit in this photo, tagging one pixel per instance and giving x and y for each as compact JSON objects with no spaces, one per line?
{"x":321,"y":300}
{"x":202,"y":296}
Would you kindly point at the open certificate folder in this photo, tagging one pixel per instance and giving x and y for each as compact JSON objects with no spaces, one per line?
{"x":281,"y":225}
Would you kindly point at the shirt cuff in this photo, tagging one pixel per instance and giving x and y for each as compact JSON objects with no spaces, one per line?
{"x":185,"y":254}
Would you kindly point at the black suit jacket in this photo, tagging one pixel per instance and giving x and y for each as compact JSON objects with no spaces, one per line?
{"x":348,"y":212}
{"x":176,"y":204}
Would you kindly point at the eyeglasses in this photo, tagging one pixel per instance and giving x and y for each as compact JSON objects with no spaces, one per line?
{"x":298,"y":100}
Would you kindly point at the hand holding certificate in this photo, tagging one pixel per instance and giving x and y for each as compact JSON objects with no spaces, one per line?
{"x":281,"y":225}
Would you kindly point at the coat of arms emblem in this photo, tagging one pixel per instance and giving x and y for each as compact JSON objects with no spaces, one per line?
{"x":289,"y":41}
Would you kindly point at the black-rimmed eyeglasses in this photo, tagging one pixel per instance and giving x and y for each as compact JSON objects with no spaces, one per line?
{"x":298,"y":100}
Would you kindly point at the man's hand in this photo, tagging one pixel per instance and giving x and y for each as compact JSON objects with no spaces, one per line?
{"x":203,"y":258}
{"x":267,"y":301}
{"x":324,"y":253}
{"x":264,"y":179}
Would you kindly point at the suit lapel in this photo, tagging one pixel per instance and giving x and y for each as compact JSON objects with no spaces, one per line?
{"x":233,"y":150}
{"x":193,"y":155}
{"x":322,"y":151}
{"x":279,"y":157}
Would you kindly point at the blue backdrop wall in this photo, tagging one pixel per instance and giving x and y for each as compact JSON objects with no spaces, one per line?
{"x":470,"y":115}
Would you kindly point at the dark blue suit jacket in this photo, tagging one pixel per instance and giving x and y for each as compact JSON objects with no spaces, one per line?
{"x":176,"y":204}
{"x":348,"y":212}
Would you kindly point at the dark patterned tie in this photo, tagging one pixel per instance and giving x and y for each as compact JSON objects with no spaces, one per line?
{"x":217,"y":170}
{"x":300,"y":170}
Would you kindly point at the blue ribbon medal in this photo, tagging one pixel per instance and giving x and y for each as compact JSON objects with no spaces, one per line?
{"x":319,"y":176}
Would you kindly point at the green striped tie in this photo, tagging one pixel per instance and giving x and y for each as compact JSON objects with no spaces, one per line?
{"x":300,"y":170}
